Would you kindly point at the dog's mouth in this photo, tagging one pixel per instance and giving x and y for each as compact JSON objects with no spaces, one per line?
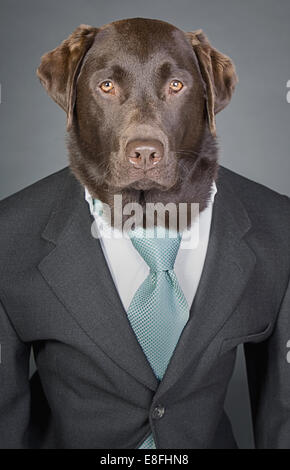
{"x":162,"y":179}
{"x":147,"y":184}
{"x":144,"y":191}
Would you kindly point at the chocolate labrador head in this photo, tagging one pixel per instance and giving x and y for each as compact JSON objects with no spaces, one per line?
{"x":140,"y":97}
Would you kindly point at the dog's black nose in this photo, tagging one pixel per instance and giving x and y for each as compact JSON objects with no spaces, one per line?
{"x":144,"y":154}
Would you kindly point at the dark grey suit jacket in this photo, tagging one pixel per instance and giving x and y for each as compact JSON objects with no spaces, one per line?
{"x":94,"y":387}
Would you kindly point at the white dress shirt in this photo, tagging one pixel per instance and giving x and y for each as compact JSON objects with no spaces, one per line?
{"x":129,"y":270}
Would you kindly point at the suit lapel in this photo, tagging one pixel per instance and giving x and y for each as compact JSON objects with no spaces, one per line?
{"x":228,"y":265}
{"x":77,"y":272}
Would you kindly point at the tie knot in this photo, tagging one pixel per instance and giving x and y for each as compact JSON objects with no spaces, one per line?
{"x":158,"y":252}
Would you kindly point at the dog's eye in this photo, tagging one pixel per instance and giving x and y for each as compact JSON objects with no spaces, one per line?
{"x":107,"y":86}
{"x":175,"y":85}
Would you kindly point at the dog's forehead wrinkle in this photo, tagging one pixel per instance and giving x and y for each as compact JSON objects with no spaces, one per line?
{"x":134,"y":46}
{"x":100,"y":61}
{"x":159,"y":66}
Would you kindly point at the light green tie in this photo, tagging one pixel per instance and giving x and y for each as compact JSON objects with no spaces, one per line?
{"x":158,"y":311}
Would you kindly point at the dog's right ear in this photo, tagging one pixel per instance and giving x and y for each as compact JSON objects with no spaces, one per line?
{"x":59,"y":68}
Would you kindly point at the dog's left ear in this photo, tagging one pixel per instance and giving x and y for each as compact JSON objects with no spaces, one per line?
{"x":218,"y":73}
{"x":59,"y":68}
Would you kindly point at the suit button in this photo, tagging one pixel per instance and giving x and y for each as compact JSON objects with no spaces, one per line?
{"x":158,"y":412}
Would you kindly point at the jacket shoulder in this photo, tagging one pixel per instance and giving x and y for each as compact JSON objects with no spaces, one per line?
{"x":24,"y":215}
{"x":255,"y":196}
{"x":37,"y":194}
{"x":268,"y":210}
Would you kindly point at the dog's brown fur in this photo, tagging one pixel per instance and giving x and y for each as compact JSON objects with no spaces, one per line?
{"x":99,"y":126}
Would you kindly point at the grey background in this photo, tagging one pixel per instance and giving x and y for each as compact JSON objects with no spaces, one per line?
{"x":253,"y":130}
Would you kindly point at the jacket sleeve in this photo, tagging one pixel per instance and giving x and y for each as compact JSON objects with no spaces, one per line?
{"x":14,"y":387}
{"x":268,"y":367}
